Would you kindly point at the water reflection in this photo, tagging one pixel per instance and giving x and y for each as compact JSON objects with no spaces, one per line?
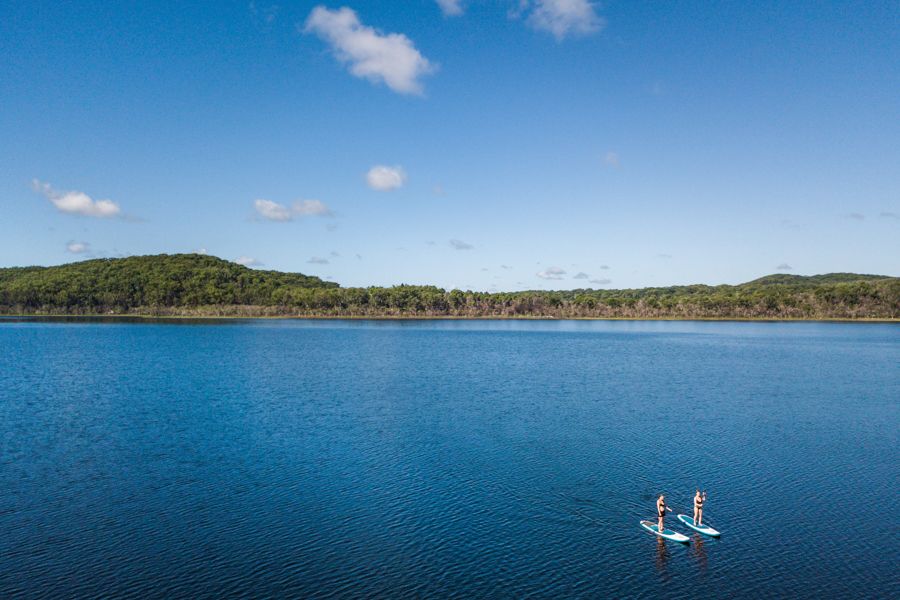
{"x":662,"y":558}
{"x":698,"y":551}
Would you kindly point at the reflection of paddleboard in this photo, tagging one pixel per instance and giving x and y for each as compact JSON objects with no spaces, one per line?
{"x":666,"y":533}
{"x":704,"y":529}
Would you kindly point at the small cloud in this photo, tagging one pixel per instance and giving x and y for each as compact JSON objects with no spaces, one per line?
{"x":267,"y":14}
{"x":391,"y":59}
{"x":201,"y":251}
{"x":359,"y":257}
{"x":451,"y":8}
{"x":78,"y":247}
{"x":311,"y":208}
{"x":784,"y":267}
{"x":581,"y":275}
{"x":384,"y":179}
{"x":506,"y":267}
{"x":461,"y":245}
{"x":604,"y":267}
{"x":431,"y":242}
{"x":611,"y":159}
{"x":563,"y":18}
{"x":484,"y":269}
{"x":855,"y":216}
{"x":331,"y":227}
{"x":787,"y":223}
{"x":274,"y":211}
{"x":248,"y":261}
{"x":551,"y":273}
{"x":335,"y":254}
{"x":438,"y":190}
{"x":601,"y":281}
{"x":889,"y":215}
{"x":76,"y":203}
{"x":664,"y":256}
{"x":317,"y":260}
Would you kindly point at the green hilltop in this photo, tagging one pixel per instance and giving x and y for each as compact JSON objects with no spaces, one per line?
{"x":200,"y":285}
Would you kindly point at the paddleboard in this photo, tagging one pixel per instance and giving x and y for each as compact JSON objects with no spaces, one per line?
{"x":666,"y":533}
{"x":704,"y":529}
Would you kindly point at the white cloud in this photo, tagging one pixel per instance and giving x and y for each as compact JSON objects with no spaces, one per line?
{"x":551,"y":273}
{"x":274,"y":211}
{"x":461,"y":245}
{"x":385,"y":179}
{"x":248,"y":261}
{"x":604,"y":267}
{"x":311,"y":208}
{"x":601,"y":281}
{"x":78,"y":247}
{"x":784,"y":267}
{"x":611,"y":159}
{"x":390,"y":58}
{"x":451,"y":8}
{"x":581,"y":275}
{"x":563,"y":18}
{"x":317,"y":260}
{"x":201,"y":251}
{"x":76,"y":203}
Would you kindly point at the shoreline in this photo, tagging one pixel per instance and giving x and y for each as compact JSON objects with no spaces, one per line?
{"x":140,"y":317}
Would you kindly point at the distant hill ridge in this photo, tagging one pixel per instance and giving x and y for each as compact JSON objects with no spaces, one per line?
{"x":201,"y":285}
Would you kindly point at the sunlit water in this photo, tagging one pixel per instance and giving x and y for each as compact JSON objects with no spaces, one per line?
{"x":438,"y":459}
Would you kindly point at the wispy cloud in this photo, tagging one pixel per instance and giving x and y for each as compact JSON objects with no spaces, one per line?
{"x":451,"y":8}
{"x":201,"y":251}
{"x":505,"y":267}
{"x":460,"y":245}
{"x":551,"y":273}
{"x":784,"y":267}
{"x":581,"y":275}
{"x":601,"y":281}
{"x":78,"y":247}
{"x":889,"y":215}
{"x":564,"y":18}
{"x":663,"y":255}
{"x":76,"y":203}
{"x":389,"y":58}
{"x":317,"y":260}
{"x":248,"y":261}
{"x":611,"y":159}
{"x":274,"y":211}
{"x":604,"y":267}
{"x":855,"y":216}
{"x":384,"y":179}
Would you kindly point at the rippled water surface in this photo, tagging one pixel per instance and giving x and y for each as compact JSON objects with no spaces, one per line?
{"x":437,"y":459}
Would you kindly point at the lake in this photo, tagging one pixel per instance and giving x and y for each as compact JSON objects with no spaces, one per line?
{"x":470,"y":459}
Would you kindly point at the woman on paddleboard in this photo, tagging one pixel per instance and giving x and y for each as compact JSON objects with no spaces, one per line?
{"x":699,"y":499}
{"x":661,"y":509}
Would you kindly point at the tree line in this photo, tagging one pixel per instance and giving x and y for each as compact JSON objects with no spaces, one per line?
{"x":195,"y":285}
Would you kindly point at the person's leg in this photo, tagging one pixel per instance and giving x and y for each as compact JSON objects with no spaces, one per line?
{"x":660,"y":525}
{"x":695,"y":515}
{"x":699,"y":520}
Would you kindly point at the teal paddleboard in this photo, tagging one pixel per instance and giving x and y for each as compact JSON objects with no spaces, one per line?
{"x":666,"y":533}
{"x":704,"y":529}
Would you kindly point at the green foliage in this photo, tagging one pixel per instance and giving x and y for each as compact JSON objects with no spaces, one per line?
{"x":121,"y":284}
{"x":191,"y":284}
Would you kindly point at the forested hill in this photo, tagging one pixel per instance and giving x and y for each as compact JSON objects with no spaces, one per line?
{"x":121,"y":284}
{"x":199,"y":285}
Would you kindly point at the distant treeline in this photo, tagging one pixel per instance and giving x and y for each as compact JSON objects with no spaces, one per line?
{"x":196,"y":285}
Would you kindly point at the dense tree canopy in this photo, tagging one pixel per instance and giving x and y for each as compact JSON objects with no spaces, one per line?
{"x":196,"y":285}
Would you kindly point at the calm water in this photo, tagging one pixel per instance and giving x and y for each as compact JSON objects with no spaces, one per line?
{"x":435,"y":459}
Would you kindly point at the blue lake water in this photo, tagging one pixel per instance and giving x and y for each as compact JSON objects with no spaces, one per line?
{"x":446,"y":459}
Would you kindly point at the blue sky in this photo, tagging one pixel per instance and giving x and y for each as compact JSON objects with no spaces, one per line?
{"x":479,"y":144}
